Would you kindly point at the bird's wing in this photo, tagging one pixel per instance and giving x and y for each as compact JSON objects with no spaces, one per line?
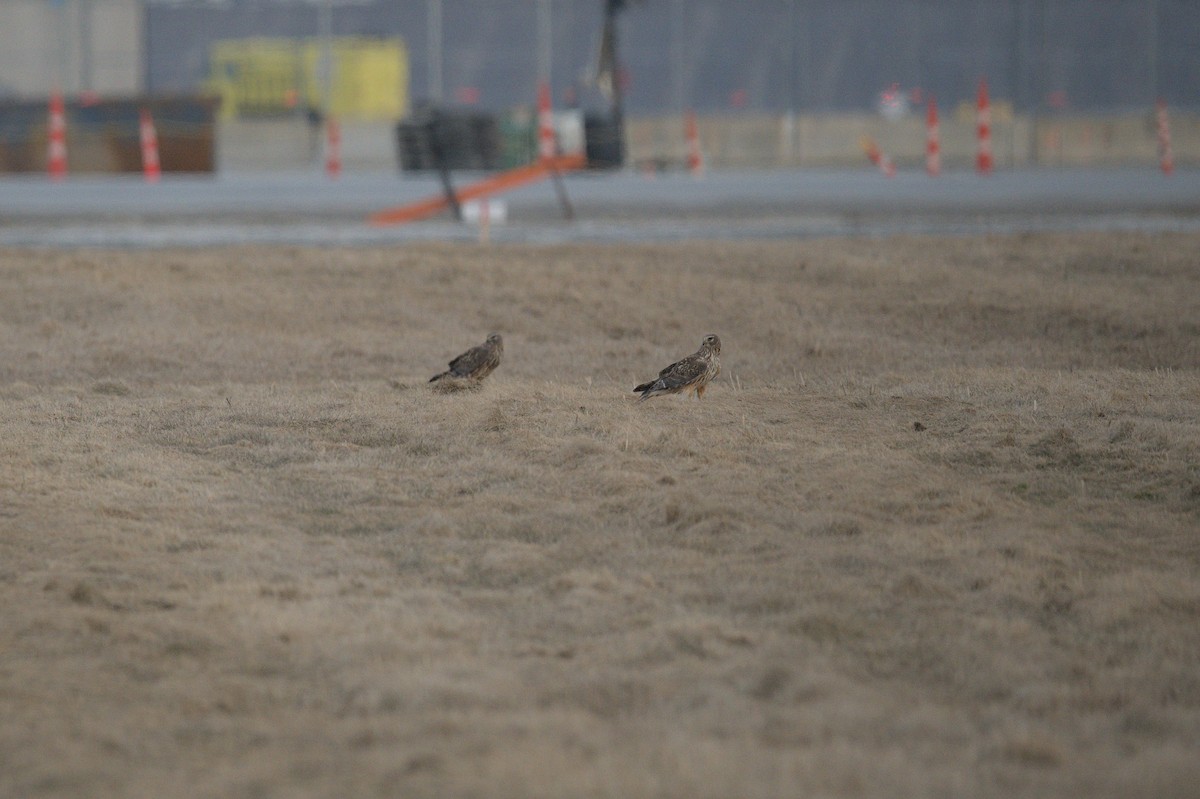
{"x":683,"y":372}
{"x":469,"y":361}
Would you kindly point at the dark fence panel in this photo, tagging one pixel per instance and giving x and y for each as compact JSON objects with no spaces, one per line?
{"x":757,"y":55}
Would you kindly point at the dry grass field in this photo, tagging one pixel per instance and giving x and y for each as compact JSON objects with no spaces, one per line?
{"x":935,"y":531}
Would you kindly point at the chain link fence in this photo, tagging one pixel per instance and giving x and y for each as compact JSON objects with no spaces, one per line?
{"x":733,"y":55}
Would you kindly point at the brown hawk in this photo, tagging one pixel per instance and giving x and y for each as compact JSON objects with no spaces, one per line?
{"x":477,"y":362}
{"x":690,"y":374}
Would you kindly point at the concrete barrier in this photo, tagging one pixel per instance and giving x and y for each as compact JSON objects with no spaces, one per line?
{"x":292,"y":144}
{"x":746,"y":141}
{"x":832,"y":140}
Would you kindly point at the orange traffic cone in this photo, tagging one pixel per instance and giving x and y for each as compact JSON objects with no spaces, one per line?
{"x":877,"y":157}
{"x":56,"y":157}
{"x":333,"y":148}
{"x":547,"y":147}
{"x":933,"y":140}
{"x":695,"y":159}
{"x":151,"y":168}
{"x":983,"y":161}
{"x":1166,"y":160}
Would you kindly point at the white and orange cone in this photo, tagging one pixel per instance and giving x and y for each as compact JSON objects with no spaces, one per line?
{"x":983,"y":159}
{"x":56,"y":156}
{"x":151,"y":166}
{"x":877,"y":156}
{"x":547,"y":146}
{"x":1166,"y":160}
{"x":933,"y":139}
{"x":695,"y":159}
{"x":333,"y":148}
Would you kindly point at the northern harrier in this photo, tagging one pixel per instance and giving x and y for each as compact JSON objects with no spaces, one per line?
{"x":690,"y":374}
{"x":477,"y":362}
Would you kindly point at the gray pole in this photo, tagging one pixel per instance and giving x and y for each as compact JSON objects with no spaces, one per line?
{"x":62,"y":51}
{"x":676,"y":54}
{"x":325,"y":32}
{"x":805,"y":85}
{"x":793,"y":61}
{"x":86,"y":77}
{"x":434,"y":48}
{"x":788,"y":132}
{"x":1037,"y":62}
{"x":545,"y":41}
{"x":1152,"y":48}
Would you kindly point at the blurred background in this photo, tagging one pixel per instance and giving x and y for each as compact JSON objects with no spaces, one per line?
{"x":247,"y":84}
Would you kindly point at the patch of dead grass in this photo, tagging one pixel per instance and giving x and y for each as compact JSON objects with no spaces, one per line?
{"x":932,"y":532}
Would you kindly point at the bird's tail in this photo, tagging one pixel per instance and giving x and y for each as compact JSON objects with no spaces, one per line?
{"x":438,"y":377}
{"x":647,"y":390}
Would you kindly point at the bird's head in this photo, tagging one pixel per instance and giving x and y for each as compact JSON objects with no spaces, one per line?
{"x":712,"y":343}
{"x":495,"y":340}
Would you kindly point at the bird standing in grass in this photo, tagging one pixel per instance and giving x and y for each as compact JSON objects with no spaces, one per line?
{"x":692,"y":373}
{"x":477,"y":362}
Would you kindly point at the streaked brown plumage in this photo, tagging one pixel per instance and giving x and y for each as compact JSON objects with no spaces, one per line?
{"x":692,"y":373}
{"x":477,"y":362}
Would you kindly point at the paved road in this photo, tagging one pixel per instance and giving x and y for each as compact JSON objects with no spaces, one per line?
{"x":308,"y":208}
